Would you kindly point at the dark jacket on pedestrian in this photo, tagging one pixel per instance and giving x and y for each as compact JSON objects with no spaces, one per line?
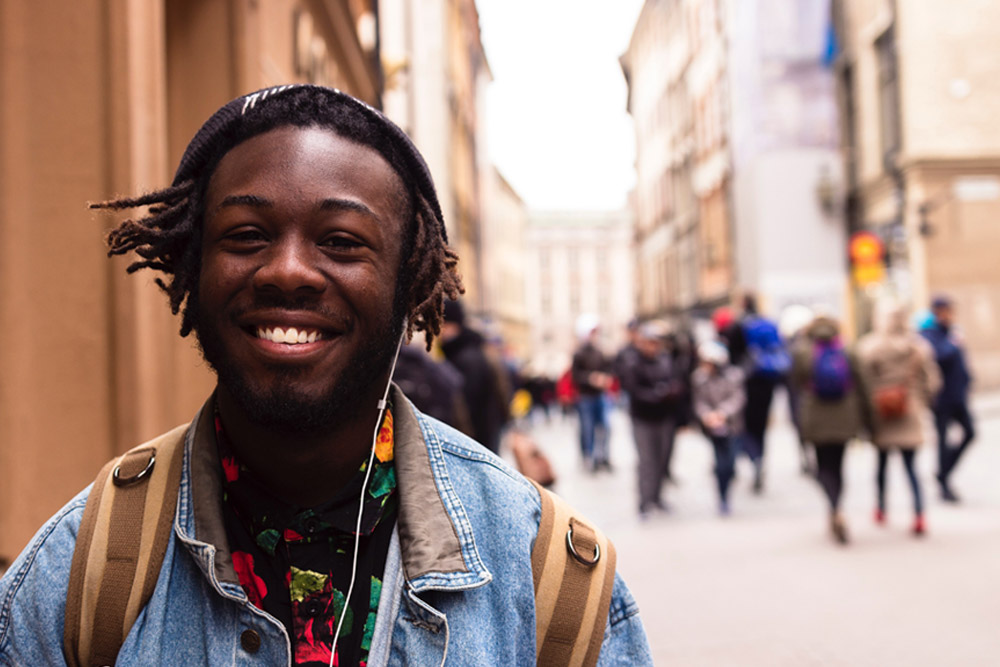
{"x":482,"y":386}
{"x":824,"y":420}
{"x":719,"y":389}
{"x":435,"y":387}
{"x":654,"y":389}
{"x":588,"y":359}
{"x":950,"y":358}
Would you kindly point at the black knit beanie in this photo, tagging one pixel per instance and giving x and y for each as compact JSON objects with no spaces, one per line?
{"x":228,"y":127}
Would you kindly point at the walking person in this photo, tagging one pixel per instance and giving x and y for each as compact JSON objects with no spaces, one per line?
{"x":952,"y":403}
{"x":484,"y":384}
{"x":756,"y":346}
{"x":654,"y":391}
{"x":900,"y":379}
{"x":591,"y":375}
{"x":828,"y":392}
{"x":719,"y":398}
{"x":792,"y":326}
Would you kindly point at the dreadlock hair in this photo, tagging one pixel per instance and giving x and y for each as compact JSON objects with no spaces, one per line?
{"x":168,"y":238}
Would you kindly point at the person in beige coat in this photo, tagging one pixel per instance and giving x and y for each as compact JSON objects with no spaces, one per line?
{"x":829,"y":393}
{"x":901,"y":379}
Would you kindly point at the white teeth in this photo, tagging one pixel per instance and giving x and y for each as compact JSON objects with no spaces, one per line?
{"x":290,"y":336}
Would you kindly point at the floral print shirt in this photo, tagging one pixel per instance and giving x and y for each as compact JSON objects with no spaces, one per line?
{"x":295,"y":563}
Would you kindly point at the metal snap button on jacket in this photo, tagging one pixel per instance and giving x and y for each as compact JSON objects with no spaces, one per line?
{"x":250,"y":641}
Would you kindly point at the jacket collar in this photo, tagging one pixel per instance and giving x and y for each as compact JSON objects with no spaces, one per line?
{"x":437,"y":545}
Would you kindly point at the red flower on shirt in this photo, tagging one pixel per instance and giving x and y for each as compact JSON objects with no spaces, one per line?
{"x":254,"y":586}
{"x":231,"y":468}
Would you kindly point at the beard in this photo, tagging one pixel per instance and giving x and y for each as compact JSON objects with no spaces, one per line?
{"x":280,"y":406}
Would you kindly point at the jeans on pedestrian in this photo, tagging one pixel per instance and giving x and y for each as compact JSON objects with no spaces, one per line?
{"x":948,"y":456}
{"x":593,"y":427}
{"x":654,"y":441}
{"x":909,"y":456}
{"x":829,"y":471}
{"x":725,"y":458}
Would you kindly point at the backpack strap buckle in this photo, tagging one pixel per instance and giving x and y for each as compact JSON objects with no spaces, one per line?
{"x":122,"y":482}
{"x":576,"y":554}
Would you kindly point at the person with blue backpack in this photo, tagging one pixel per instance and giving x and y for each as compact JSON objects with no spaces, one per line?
{"x":756,"y":346}
{"x":829,"y":392}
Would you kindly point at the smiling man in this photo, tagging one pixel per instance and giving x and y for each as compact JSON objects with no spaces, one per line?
{"x":309,"y":514}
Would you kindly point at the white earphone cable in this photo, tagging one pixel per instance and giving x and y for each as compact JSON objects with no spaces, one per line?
{"x":382,"y":405}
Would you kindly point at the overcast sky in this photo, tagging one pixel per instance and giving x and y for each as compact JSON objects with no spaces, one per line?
{"x":557,"y":127}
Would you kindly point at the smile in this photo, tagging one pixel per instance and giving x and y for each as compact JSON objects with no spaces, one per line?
{"x":289,"y":336}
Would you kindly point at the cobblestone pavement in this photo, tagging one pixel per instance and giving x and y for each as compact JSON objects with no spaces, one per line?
{"x":766,"y":586}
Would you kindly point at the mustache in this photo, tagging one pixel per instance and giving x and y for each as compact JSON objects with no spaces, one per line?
{"x":291,"y":303}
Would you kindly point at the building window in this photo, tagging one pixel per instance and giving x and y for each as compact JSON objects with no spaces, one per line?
{"x":888,"y":82}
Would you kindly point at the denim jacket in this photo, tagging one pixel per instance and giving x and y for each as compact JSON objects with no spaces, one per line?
{"x":457,"y":587}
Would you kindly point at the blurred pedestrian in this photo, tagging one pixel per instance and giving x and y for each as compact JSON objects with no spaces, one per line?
{"x":756,"y":346}
{"x":719,"y":398}
{"x":484,"y":385}
{"x":543,"y":394}
{"x":435,"y":387}
{"x":626,"y":356}
{"x":792,"y":326}
{"x":654,"y":390}
{"x":827,"y":384}
{"x":566,"y":393}
{"x":952,"y":402}
{"x":680,"y":344}
{"x":900,"y":379}
{"x":591,"y":374}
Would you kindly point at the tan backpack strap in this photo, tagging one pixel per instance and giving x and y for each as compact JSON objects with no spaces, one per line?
{"x":120,"y":546}
{"x":573,"y":565}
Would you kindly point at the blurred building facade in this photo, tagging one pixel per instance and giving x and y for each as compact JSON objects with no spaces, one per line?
{"x":736,"y":134}
{"x":919,"y":100}
{"x":505,"y":222}
{"x":436,"y":78}
{"x":668,"y":234}
{"x":576,"y":263}
{"x":100,"y":99}
{"x":785,"y":152}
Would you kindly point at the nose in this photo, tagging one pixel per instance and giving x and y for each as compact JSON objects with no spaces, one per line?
{"x":290,"y":266}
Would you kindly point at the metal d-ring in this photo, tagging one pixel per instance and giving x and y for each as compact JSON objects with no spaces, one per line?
{"x":576,"y":555}
{"x":138,"y":477}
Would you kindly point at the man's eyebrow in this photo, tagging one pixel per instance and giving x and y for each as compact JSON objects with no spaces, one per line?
{"x":253,"y":201}
{"x":336,"y":204}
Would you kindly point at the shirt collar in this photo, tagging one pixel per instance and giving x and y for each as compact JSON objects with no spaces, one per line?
{"x":270,"y":519}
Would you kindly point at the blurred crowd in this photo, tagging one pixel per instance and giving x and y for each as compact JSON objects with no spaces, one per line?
{"x":878,"y":390}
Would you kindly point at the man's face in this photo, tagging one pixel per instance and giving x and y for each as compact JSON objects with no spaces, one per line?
{"x":302,"y":236}
{"x":944,"y":315}
{"x":649,"y":347}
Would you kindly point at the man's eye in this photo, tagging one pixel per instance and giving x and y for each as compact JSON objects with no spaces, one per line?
{"x":341,"y":243}
{"x":245,"y":236}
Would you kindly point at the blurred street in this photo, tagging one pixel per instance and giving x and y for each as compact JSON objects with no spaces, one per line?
{"x":767,"y":586}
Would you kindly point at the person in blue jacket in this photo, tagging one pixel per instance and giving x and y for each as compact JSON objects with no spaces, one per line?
{"x":952,"y":403}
